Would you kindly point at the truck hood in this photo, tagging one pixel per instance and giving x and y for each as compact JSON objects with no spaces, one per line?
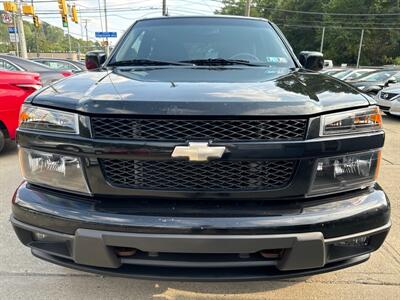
{"x":190,"y":90}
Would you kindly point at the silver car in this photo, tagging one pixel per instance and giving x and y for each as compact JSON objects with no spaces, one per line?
{"x":389,"y":100}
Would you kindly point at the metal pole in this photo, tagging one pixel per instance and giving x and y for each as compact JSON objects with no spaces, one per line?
{"x":322,"y":39}
{"x":36,"y":37}
{"x":21,"y":32}
{"x":247,"y":8}
{"x":69,"y":35}
{"x":87,"y":36}
{"x":164,"y":7}
{"x":79,"y":50}
{"x":81,"y":25}
{"x":16,"y":41}
{"x":106,"y":26}
{"x":69,"y":42}
{"x":100,"y":16}
{"x":359,"y":49}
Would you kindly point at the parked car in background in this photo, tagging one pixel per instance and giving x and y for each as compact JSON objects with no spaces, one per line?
{"x":14,"y":88}
{"x":328,"y":63}
{"x":47,"y":75}
{"x":372,"y":83}
{"x":389,"y":100}
{"x":332,"y":71}
{"x":352,"y":74}
{"x":62,"y":64}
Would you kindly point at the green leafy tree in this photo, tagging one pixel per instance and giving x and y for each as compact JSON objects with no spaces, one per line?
{"x":49,"y":39}
{"x":302,"y":22}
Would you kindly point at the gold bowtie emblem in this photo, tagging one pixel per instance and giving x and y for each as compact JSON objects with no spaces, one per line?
{"x":198,"y":152}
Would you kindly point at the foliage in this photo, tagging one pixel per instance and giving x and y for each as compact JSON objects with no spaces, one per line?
{"x":342,"y":32}
{"x":50,"y":39}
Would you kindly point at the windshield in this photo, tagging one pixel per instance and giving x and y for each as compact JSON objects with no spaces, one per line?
{"x":342,"y":74}
{"x":193,"y":39}
{"x":378,"y":76}
{"x":357,"y":74}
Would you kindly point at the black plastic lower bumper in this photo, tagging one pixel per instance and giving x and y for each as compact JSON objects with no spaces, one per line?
{"x":320,"y":236}
{"x":200,"y":274}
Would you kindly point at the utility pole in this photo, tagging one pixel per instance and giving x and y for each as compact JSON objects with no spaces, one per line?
{"x":247,"y":8}
{"x":164,"y":7}
{"x":79,"y":50}
{"x":16,"y":41}
{"x":100,"y":16}
{"x":36,"y":37}
{"x":21,"y":32}
{"x":69,"y":43}
{"x":322,"y":40}
{"x":106,"y":27}
{"x":359,"y":49}
{"x":81,"y":24}
{"x":69,"y":35}
{"x":87,"y":36}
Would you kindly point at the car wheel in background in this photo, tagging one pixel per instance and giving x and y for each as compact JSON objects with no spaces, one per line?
{"x":2,"y":140}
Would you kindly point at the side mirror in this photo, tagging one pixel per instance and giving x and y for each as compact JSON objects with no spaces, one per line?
{"x":391,"y":80}
{"x":95,"y":59}
{"x":312,"y":60}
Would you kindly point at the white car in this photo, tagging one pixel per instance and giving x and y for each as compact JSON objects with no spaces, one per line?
{"x":389,"y":100}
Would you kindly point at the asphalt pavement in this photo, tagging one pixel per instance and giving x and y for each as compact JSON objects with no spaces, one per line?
{"x":24,"y":277}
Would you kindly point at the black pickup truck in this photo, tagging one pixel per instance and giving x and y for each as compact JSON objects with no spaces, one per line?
{"x":201,"y":149}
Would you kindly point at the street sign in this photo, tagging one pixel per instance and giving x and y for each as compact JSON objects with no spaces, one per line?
{"x":13,"y":33}
{"x":14,"y":37}
{"x":6,"y":18}
{"x":12,"y":30}
{"x":105,"y":34}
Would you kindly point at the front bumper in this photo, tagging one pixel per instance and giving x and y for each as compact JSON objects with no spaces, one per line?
{"x":318,"y":237}
{"x":384,"y":104}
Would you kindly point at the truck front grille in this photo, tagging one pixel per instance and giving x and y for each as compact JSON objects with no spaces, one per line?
{"x":180,"y":175}
{"x":184,"y":130}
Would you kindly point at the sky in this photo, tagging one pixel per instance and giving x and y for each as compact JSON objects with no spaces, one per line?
{"x":121,"y":13}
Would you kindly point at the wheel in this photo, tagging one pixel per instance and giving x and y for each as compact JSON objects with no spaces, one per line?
{"x":2,"y":140}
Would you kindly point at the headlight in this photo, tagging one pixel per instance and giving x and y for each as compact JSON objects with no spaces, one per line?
{"x":53,"y":170}
{"x":360,"y":120}
{"x":45,"y":119}
{"x":335,"y":174}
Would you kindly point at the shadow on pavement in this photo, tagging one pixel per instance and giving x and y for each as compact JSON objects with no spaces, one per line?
{"x":9,"y":149}
{"x":168,"y":290}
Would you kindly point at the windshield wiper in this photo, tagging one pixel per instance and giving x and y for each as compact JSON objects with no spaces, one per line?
{"x":146,"y":62}
{"x":221,"y":62}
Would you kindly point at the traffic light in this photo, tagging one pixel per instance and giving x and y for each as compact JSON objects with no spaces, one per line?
{"x":62,"y":5}
{"x":74,"y":17}
{"x":36,"y":22}
{"x":28,"y":9}
{"x":10,"y":6}
{"x":65,"y":20}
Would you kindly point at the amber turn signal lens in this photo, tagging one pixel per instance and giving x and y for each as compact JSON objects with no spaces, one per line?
{"x":353,"y":121}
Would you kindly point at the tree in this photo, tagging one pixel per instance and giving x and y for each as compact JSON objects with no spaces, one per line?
{"x":302,"y":22}
{"x":50,"y":39}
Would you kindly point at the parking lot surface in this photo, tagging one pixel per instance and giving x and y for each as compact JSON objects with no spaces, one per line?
{"x":24,"y":277}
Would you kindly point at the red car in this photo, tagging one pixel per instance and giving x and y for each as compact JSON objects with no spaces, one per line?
{"x":14,"y":88}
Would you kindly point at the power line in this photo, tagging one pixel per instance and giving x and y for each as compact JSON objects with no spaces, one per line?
{"x":337,"y":27}
{"x":329,"y":13}
{"x":327,"y":23}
